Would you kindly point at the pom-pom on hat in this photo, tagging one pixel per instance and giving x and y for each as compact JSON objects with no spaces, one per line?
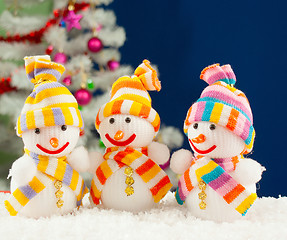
{"x":223,"y":104}
{"x":50,"y":103}
{"x":129,"y":96}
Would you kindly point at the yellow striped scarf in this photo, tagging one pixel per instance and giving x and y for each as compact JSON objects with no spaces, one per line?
{"x":116,"y":158}
{"x":55,"y":169}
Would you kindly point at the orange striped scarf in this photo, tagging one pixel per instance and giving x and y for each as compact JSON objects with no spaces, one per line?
{"x":115,"y":158}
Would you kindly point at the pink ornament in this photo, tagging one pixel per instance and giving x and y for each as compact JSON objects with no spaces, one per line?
{"x":67,"y":80}
{"x":60,"y":58}
{"x":83,"y":97}
{"x":113,"y":65}
{"x":95,"y":44}
{"x":72,"y":20}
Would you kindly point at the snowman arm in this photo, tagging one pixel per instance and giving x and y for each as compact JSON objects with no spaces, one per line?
{"x":181,"y":161}
{"x":23,"y":170}
{"x":79,"y":159}
{"x":158,"y":152}
{"x":248,"y":171}
{"x":96,"y":159}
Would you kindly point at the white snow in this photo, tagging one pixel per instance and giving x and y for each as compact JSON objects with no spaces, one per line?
{"x":267,"y":219}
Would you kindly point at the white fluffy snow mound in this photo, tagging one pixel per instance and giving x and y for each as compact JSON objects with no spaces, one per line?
{"x":267,"y":219}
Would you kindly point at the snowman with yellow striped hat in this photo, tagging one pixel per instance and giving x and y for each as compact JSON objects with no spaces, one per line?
{"x":128,"y":176}
{"x":219,"y":183}
{"x":46,"y":180}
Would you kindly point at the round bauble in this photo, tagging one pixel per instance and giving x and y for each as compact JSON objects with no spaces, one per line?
{"x":83,"y":97}
{"x":113,"y":65}
{"x":95,"y":45}
{"x":60,"y":58}
{"x":67,"y":80}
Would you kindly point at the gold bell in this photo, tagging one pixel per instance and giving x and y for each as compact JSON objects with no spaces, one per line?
{"x":129,"y":190}
{"x":202,"y":185}
{"x":60,"y":203}
{"x":202,"y":205}
{"x":129,"y":171}
{"x":130,"y":181}
{"x":59,"y":194}
{"x":202,"y":195}
{"x":58,"y":184}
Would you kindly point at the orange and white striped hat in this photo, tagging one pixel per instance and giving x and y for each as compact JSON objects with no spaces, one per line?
{"x":129,"y":96}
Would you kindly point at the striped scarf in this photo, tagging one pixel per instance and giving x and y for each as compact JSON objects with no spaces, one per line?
{"x":55,"y":169}
{"x":215,"y":174}
{"x":115,"y":158}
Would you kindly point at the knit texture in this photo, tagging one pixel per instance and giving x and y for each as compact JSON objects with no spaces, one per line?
{"x":50,"y":103}
{"x":115,"y":158}
{"x":215,"y":174}
{"x":223,"y":104}
{"x":129,"y":96}
{"x":55,"y":169}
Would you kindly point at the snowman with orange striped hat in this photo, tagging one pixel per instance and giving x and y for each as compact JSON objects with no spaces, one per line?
{"x":128,"y":176}
{"x":218,"y":183}
{"x":45,"y":180}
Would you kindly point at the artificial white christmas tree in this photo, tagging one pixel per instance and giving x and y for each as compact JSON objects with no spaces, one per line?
{"x":82,"y":36}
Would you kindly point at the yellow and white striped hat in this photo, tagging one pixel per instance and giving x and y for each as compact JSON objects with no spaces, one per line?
{"x":50,"y":103}
{"x":129,"y":96}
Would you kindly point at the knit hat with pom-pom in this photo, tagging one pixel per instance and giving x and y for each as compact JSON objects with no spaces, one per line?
{"x":50,"y":103}
{"x":223,"y":104}
{"x":129,"y":96}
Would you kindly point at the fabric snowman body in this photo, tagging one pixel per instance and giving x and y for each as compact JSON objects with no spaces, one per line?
{"x":219,"y":129}
{"x":127,"y":126}
{"x":49,"y":126}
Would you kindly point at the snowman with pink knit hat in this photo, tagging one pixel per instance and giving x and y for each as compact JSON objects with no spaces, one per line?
{"x":218,"y":183}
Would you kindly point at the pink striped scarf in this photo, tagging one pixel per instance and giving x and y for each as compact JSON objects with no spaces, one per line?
{"x":215,"y":174}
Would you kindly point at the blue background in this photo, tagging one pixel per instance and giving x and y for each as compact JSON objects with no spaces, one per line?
{"x":182,"y":37}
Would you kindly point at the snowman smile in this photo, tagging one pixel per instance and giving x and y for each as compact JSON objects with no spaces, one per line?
{"x":120,"y":143}
{"x":45,"y":150}
{"x":202,"y":151}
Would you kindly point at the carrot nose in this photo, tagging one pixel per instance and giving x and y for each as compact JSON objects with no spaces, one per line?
{"x":200,"y":139}
{"x":54,"y":142}
{"x":119,"y":135}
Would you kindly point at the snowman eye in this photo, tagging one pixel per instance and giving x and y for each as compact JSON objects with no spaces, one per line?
{"x":195,"y":126}
{"x":128,"y":120}
{"x":212,"y":127}
{"x":112,"y":120}
{"x":64,"y":127}
{"x":37,"y":131}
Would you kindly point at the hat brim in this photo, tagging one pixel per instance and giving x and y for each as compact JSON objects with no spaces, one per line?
{"x":47,"y":117}
{"x":128,"y":107}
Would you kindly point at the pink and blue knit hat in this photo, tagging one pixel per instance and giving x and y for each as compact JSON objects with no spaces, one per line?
{"x":223,"y":104}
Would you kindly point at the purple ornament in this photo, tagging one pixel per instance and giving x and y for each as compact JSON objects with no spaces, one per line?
{"x":60,"y":58}
{"x":67,"y":80}
{"x":113,"y":65}
{"x":95,"y":44}
{"x":83,"y":96}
